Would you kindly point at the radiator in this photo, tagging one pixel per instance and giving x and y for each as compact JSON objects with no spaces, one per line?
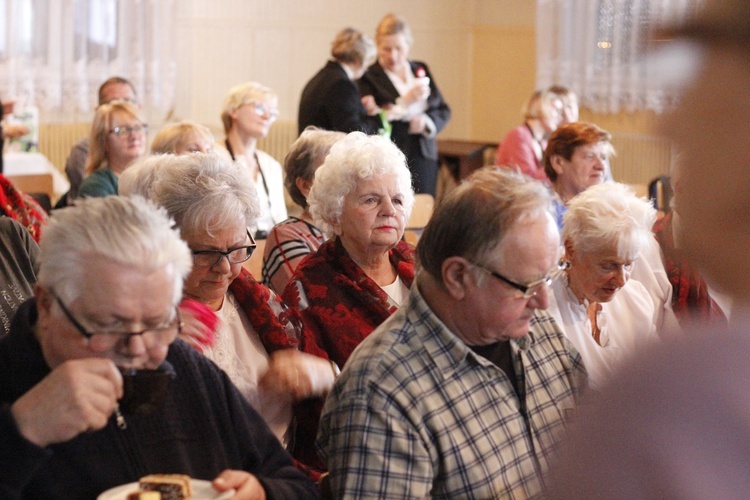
{"x":56,"y":139}
{"x":279,"y":139}
{"x":640,"y":157}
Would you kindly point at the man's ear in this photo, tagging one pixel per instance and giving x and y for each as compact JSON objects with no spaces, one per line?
{"x":558,"y":164}
{"x":44,"y":302}
{"x":457,"y":276}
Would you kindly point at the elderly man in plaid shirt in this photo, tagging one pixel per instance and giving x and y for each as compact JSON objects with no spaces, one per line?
{"x":464,"y":392}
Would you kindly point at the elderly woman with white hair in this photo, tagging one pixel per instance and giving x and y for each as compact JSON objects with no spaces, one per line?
{"x":249,"y":111}
{"x":256,"y":343}
{"x":605,"y":314}
{"x":361,"y":198}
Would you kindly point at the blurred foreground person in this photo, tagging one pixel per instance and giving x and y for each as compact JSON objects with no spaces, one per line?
{"x":676,"y":424}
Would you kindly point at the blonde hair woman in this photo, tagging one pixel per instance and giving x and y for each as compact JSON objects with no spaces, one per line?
{"x":249,"y":111}
{"x":183,"y":137}
{"x":118,"y":136}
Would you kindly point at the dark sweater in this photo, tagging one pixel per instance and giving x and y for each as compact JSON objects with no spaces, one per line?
{"x":204,"y":427}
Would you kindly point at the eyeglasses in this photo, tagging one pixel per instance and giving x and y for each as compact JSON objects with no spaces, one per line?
{"x":211,"y":258}
{"x":105,"y":341}
{"x":123,"y":131}
{"x":264,"y":110}
{"x":530,"y":290}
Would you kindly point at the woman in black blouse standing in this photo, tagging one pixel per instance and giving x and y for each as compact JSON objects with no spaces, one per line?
{"x":407,"y":91}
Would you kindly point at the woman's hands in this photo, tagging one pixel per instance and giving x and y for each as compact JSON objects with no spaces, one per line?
{"x":299,"y":374}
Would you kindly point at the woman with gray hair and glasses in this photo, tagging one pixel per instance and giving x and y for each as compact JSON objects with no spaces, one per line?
{"x":605,"y":314}
{"x":213,"y":203}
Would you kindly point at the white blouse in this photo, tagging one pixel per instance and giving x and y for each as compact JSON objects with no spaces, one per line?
{"x":396,"y":291}
{"x":272,"y":202}
{"x":240,"y":353}
{"x":626,"y":324}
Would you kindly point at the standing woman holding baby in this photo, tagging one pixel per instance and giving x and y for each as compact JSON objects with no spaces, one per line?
{"x":407,"y":92}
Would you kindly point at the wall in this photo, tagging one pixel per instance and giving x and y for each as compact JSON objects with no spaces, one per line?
{"x":283,"y":43}
{"x":482,"y":54}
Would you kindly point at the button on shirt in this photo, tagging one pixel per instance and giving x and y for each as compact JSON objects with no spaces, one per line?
{"x":417,"y":413}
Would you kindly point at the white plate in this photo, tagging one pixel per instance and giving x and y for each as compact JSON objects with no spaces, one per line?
{"x":202,"y":490}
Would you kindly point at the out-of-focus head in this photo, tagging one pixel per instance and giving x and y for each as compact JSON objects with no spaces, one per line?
{"x":203,"y":192}
{"x":352,"y":161}
{"x":353,"y":47}
{"x":259,"y":101}
{"x":569,"y":100}
{"x":117,"y":88}
{"x":711,"y":130}
{"x":604,"y":230}
{"x":214,"y":204}
{"x":183,"y":137}
{"x":491,"y":245}
{"x":304,"y":157}
{"x":545,"y":107}
{"x":118,"y":133}
{"x":576,"y":157}
{"x":110,"y":264}
{"x":394,"y":39}
{"x":139,"y":178}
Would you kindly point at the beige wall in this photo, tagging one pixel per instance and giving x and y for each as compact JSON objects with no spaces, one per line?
{"x":481,"y":53}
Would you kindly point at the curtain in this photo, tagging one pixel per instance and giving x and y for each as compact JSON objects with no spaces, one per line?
{"x":54,"y":54}
{"x":601,"y":50}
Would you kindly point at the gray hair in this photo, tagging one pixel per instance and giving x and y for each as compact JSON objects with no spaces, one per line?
{"x":130,"y":231}
{"x":609,"y":214}
{"x":352,"y":46}
{"x":173,"y":135}
{"x":138,"y":178}
{"x":474,"y":218}
{"x":246,"y":93}
{"x":205,"y":191}
{"x":305,"y":155}
{"x":355,"y":158}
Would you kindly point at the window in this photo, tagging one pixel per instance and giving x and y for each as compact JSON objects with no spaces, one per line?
{"x":601,"y":49}
{"x":54,"y":54}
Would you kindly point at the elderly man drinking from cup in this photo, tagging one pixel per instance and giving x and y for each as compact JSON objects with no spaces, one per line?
{"x":111,"y":275}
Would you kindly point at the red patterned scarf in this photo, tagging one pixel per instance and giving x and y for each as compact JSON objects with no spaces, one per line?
{"x":22,"y":207}
{"x":691,"y":301}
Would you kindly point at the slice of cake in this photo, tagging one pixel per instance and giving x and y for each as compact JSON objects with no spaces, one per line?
{"x":171,"y":486}
{"x":144,"y":495}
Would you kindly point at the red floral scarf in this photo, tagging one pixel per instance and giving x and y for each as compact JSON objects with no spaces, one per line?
{"x":691,"y":301}
{"x":278,"y":326}
{"x":22,"y":207}
{"x":343,"y":304}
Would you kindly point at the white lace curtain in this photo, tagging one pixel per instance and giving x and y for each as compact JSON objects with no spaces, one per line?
{"x":598,"y":48}
{"x":54,"y":54}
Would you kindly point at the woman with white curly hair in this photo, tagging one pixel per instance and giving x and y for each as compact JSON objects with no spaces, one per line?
{"x":361,"y":198}
{"x":605,"y":314}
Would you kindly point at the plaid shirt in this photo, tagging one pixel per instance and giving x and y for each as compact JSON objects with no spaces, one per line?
{"x":416,"y":413}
